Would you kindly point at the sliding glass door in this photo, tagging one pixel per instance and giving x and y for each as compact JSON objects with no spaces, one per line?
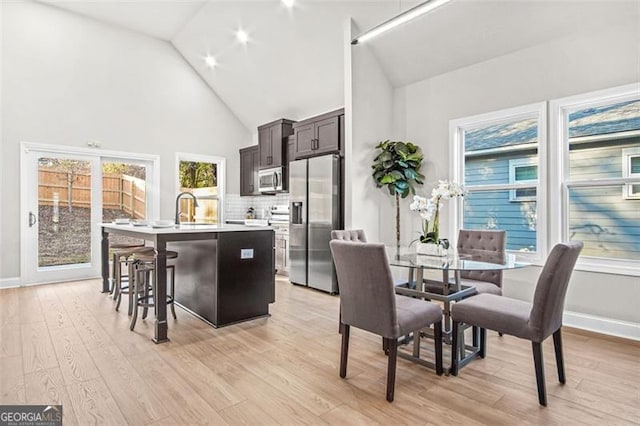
{"x":61,"y":198}
{"x":65,"y":195}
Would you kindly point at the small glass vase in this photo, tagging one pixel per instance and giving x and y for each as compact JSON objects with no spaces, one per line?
{"x":430,"y":249}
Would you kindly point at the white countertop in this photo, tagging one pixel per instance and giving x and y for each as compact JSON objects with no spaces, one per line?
{"x":182,"y":229}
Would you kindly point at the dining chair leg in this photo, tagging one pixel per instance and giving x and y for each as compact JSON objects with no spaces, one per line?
{"x":539,"y":366}
{"x":557,"y":344}
{"x":385,"y":346}
{"x":344,"y":351}
{"x":437,"y":337}
{"x":454,"y":348}
{"x":476,"y":336}
{"x":391,"y":368}
{"x":483,"y":342}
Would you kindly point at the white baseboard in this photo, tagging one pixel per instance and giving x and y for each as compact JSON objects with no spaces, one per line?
{"x":10,"y":282}
{"x":625,"y":329}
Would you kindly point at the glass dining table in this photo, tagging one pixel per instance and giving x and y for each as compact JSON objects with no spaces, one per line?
{"x":449,"y":289}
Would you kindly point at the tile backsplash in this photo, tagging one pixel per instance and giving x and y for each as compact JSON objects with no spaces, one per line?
{"x":236,"y":206}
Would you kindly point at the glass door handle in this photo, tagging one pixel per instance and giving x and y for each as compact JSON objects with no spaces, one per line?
{"x":32,"y":219}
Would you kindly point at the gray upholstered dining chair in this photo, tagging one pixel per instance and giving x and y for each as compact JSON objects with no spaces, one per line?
{"x":493,"y":243}
{"x":349,"y":235}
{"x":484,"y":245}
{"x":532,"y":321}
{"x":368,"y":301}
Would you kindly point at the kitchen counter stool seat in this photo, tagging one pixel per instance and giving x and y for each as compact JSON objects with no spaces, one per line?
{"x":122,"y":257}
{"x":142,"y":267}
{"x":116,"y":266}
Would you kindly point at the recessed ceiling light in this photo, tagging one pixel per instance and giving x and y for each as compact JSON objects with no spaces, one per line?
{"x":243,"y":37}
{"x":288,"y":3}
{"x":210,"y":61}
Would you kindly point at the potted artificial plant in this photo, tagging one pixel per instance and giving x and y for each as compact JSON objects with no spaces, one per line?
{"x":397,"y":167}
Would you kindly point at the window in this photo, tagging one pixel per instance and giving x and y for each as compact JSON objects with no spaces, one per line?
{"x":631,"y":169}
{"x":202,"y":176}
{"x":600,"y":203}
{"x":498,"y":159}
{"x":523,"y":171}
{"x":593,"y":175}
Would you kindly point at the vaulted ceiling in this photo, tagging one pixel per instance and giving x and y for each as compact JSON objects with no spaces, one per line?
{"x":293,"y":64}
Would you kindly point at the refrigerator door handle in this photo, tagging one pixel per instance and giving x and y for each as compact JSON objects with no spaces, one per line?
{"x":296,"y":213}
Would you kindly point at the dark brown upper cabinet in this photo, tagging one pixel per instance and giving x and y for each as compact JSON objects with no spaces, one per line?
{"x":272,"y":142}
{"x":291,"y":148}
{"x":249,"y":164}
{"x":319,"y":135}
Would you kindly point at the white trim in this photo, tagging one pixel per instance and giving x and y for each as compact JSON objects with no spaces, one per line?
{"x":221,"y":174}
{"x":66,"y":149}
{"x":611,"y":327}
{"x":10,"y":282}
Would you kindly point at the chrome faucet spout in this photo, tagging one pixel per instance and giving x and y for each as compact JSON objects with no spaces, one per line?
{"x":180,"y":195}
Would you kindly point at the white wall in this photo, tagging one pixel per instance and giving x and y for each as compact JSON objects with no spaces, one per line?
{"x":368,"y":112}
{"x":67,"y":80}
{"x":580,"y":63}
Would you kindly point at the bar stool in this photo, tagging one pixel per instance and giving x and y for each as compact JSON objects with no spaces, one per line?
{"x":119,"y":250}
{"x":142,"y":267}
{"x":125,"y":256}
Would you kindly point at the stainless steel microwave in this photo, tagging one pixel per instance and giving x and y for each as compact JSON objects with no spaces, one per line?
{"x":270,"y":180}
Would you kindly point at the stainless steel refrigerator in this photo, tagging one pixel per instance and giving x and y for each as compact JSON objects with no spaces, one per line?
{"x":315,"y":195}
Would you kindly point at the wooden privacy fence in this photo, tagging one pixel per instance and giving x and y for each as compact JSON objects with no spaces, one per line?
{"x":120,"y":192}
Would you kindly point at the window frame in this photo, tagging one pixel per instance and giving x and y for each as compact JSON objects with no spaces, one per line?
{"x":558,"y":213}
{"x":627,"y":155}
{"x":220,"y":163}
{"x":457,"y":129}
{"x":514,"y":163}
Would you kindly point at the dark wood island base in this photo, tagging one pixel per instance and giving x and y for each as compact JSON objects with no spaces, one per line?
{"x":224,"y":274}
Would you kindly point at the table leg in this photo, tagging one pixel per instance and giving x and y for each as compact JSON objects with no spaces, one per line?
{"x":160,"y":329}
{"x":416,"y":333}
{"x":446,"y":323}
{"x":105,"y":260}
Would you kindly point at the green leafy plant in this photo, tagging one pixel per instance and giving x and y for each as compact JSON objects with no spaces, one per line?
{"x":397,"y":167}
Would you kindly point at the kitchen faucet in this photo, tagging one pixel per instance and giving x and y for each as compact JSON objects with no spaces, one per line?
{"x":180,"y":195}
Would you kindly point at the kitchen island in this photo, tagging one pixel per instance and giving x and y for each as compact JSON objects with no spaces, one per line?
{"x":224,"y":273}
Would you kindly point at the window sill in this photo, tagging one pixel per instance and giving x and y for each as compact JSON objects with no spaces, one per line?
{"x":627,"y":268}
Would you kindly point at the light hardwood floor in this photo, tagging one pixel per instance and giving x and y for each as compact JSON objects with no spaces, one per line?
{"x":65,"y":344}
